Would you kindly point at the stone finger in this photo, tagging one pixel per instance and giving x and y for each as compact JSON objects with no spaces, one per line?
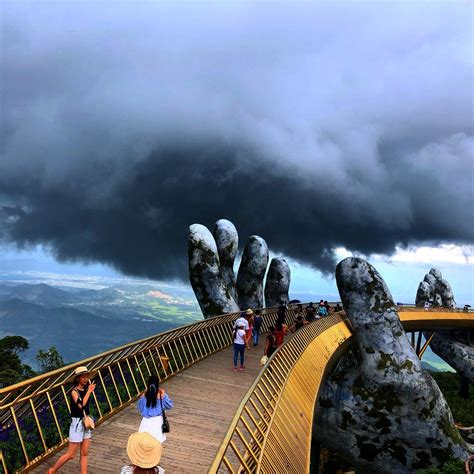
{"x":251,"y":272}
{"x":278,"y":283}
{"x":206,"y":279}
{"x":227,"y":240}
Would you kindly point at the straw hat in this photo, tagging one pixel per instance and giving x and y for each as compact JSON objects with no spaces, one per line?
{"x":249,"y":311}
{"x":82,"y":370}
{"x":144,"y":450}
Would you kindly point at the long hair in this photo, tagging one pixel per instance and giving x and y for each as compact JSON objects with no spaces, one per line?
{"x":151,"y":391}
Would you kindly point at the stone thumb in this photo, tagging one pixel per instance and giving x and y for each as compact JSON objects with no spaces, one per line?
{"x":384,"y":347}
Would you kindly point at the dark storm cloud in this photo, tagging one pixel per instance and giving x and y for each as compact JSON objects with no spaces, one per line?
{"x":312,"y":126}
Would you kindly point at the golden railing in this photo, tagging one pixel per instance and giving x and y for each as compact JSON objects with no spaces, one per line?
{"x":34,"y":414}
{"x":271,"y":431}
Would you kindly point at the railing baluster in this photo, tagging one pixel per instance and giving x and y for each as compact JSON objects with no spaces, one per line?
{"x":133,"y":377}
{"x":40,"y":431}
{"x":124,"y":380}
{"x":20,"y":436}
{"x":105,"y":390}
{"x":115,"y":385}
{"x":53,"y":411}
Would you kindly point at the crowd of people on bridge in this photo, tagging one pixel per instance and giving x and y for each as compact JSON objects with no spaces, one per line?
{"x":249,"y":324}
{"x":144,"y":447}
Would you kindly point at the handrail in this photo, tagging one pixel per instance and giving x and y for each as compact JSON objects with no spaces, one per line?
{"x":34,"y":413}
{"x":272,"y":426}
{"x":271,"y":429}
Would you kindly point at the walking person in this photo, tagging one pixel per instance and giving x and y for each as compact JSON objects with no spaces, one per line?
{"x":249,"y":331}
{"x":280,"y":330}
{"x":144,"y":452}
{"x":239,"y":338}
{"x":151,"y":405}
{"x":257,"y":325}
{"x":79,"y":436}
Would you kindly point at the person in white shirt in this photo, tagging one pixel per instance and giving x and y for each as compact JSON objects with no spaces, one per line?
{"x":239,"y":346}
{"x":242,"y":321}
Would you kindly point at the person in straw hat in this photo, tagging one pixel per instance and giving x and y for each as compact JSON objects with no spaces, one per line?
{"x":79,"y":403}
{"x":144,"y":452}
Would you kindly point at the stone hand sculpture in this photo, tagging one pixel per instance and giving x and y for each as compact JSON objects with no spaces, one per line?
{"x":435,"y":290}
{"x":378,"y":407}
{"x":454,"y":347}
{"x":211,"y":271}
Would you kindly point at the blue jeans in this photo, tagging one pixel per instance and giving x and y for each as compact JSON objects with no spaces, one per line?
{"x":256,"y":335}
{"x":239,"y":349}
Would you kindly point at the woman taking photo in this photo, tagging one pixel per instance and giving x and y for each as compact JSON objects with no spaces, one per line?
{"x":151,"y":406}
{"x":78,"y":434}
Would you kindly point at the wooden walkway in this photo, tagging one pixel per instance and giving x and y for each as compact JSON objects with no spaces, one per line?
{"x":206,"y":397}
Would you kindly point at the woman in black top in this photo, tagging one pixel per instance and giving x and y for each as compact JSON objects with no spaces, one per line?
{"x":78,"y":435}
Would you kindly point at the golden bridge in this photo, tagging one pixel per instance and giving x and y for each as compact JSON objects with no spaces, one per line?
{"x":259,"y":420}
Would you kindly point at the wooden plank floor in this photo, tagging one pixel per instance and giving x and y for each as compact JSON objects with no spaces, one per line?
{"x":205,"y":398}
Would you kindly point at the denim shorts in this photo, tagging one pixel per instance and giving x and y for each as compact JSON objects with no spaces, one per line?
{"x":77,"y":432}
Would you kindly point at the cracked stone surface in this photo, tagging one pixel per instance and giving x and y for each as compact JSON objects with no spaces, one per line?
{"x":278,"y":283}
{"x":251,"y":272}
{"x":205,"y":275}
{"x":435,"y":290}
{"x":454,"y":347}
{"x":378,"y":407}
{"x":211,"y":271}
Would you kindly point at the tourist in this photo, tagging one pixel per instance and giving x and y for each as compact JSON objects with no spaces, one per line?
{"x":427,"y":306}
{"x":322,"y":311}
{"x":270,"y":342}
{"x":328,"y":308}
{"x":280,"y":330}
{"x":249,"y":316}
{"x":299,"y":311}
{"x":242,"y":320}
{"x":310,"y":313}
{"x":257,"y":325}
{"x":298,"y":324}
{"x":337,"y":308}
{"x":144,"y":452}
{"x":151,"y":405}
{"x":239,"y":338}
{"x":78,"y":434}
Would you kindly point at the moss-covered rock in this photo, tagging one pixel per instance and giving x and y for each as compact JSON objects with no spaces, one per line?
{"x":386,"y":411}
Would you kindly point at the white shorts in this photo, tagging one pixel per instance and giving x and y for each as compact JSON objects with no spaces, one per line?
{"x":77,"y":433}
{"x":153,"y":426}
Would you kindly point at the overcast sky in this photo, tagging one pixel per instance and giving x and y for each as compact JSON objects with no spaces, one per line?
{"x":318,"y":126}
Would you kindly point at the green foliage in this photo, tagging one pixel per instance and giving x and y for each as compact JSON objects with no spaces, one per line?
{"x":49,"y":360}
{"x":11,"y":368}
{"x":462,"y":410}
{"x":452,"y":467}
{"x":14,"y":344}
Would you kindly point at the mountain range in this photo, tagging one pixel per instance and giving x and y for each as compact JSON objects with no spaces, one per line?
{"x":81,"y":322}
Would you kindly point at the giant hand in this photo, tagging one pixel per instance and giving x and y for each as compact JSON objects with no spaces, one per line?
{"x":379,"y":408}
{"x":454,"y":347}
{"x":211,"y":271}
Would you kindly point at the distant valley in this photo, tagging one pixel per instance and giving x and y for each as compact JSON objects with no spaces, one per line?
{"x":81,"y":317}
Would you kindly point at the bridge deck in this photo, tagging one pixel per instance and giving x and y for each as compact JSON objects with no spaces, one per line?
{"x":206,"y":397}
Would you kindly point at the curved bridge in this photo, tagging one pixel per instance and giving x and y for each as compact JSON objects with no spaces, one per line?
{"x":264,"y":434}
